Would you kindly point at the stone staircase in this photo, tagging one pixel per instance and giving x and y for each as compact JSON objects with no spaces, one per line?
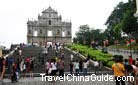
{"x":36,"y":54}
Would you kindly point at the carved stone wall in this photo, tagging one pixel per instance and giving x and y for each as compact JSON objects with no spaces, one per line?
{"x":48,"y":22}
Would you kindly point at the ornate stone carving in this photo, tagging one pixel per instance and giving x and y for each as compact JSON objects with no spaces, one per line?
{"x":48,"y":20}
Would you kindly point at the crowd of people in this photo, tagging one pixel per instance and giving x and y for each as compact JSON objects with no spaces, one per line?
{"x":18,"y":66}
{"x":125,"y":67}
{"x":52,"y":66}
{"x":14,"y":65}
{"x":56,"y":65}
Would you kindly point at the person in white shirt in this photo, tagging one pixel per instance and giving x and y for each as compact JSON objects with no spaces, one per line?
{"x":54,"y":67}
{"x":24,"y":70}
{"x":45,"y":51}
{"x":96,"y":64}
{"x":47,"y":67}
{"x":85,"y":66}
{"x":76,"y":66}
{"x":71,"y":57}
{"x":20,"y":52}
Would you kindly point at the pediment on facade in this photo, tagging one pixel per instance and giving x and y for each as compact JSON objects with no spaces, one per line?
{"x":48,"y":27}
{"x":48,"y":10}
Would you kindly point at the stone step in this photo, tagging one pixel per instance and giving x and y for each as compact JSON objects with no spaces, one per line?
{"x":66,"y":73}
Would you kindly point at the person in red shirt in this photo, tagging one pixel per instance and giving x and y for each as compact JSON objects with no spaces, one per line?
{"x":130,"y":60}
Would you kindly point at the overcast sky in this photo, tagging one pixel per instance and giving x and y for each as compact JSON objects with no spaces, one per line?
{"x":14,"y":15}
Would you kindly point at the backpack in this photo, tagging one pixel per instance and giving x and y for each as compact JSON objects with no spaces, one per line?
{"x":1,"y":64}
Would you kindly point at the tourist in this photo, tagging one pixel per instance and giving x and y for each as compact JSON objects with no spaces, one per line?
{"x":59,"y":47}
{"x":130,"y":60}
{"x":54,"y":67}
{"x":14,"y":75}
{"x":2,"y":68}
{"x":126,"y":62}
{"x":27,"y":67}
{"x":27,"y":62}
{"x":18,"y":69}
{"x":56,"y":53}
{"x":129,"y":72}
{"x":80,"y":66}
{"x":119,"y":70}
{"x":126,"y":65}
{"x":21,"y":65}
{"x":45,"y":51}
{"x":31,"y":68}
{"x":76,"y":66}
{"x":62,"y":55}
{"x":9,"y":64}
{"x":71,"y":57}
{"x":50,"y":46}
{"x":96,"y":64}
{"x":24,"y":69}
{"x":20,"y":52}
{"x":135,"y":72}
{"x":71,"y":67}
{"x":100,"y":65}
{"x":47,"y":67}
{"x":85,"y":67}
{"x":61,"y":67}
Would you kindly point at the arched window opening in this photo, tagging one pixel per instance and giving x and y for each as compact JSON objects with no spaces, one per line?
{"x":63,"y":34}
{"x":35,"y":33}
{"x":50,"y":33}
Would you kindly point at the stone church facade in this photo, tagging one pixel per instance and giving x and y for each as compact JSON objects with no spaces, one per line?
{"x":48,"y":28}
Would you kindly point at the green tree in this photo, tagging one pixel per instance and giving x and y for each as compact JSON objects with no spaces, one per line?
{"x":86,"y":34}
{"x":83,"y":33}
{"x":122,"y":20}
{"x":129,"y":21}
{"x":114,"y":28}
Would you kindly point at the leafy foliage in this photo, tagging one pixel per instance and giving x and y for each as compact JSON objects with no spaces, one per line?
{"x":122,"y":19}
{"x":86,"y":34}
{"x":97,"y":54}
